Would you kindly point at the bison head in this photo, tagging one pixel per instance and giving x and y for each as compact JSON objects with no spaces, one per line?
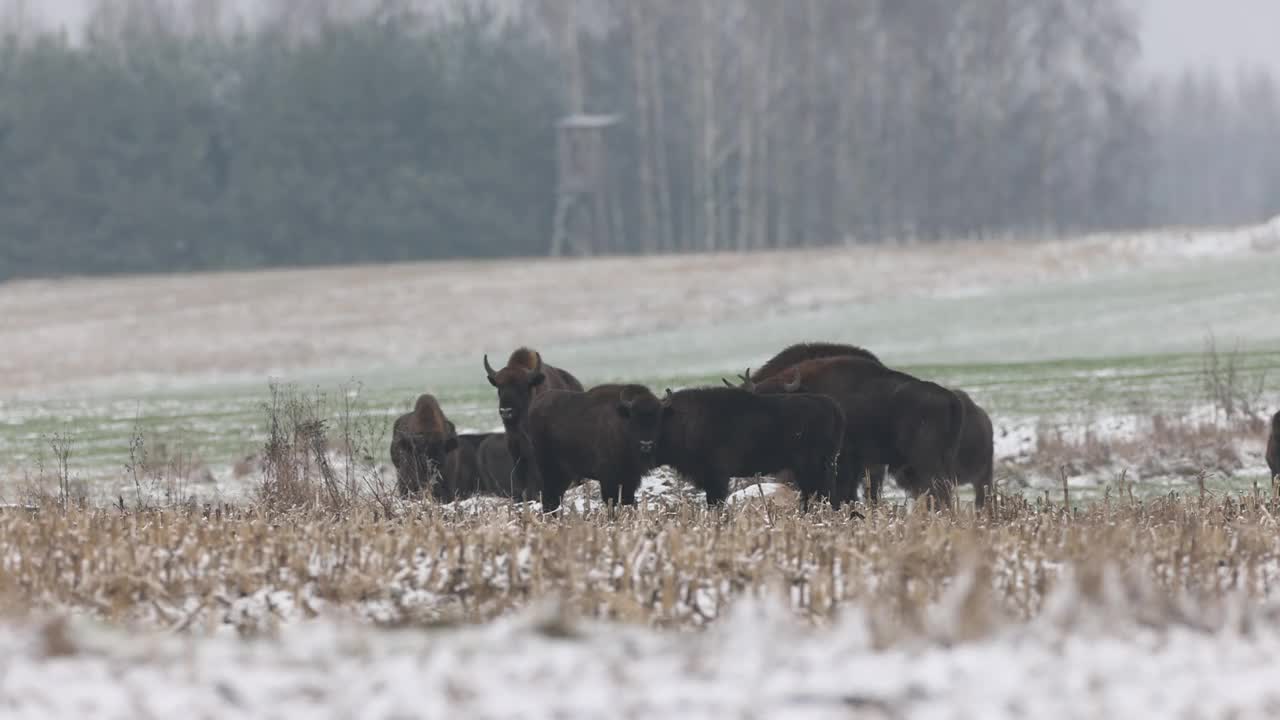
{"x":642,"y":414}
{"x":515,"y":389}
{"x":425,"y":456}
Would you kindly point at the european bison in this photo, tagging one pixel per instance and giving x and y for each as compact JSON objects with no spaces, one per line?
{"x":891,"y":418}
{"x":420,"y":440}
{"x":479,"y":465}
{"x":975,"y":454}
{"x":460,"y":472}
{"x":799,"y":353}
{"x":519,"y":383}
{"x":497,"y":469}
{"x":607,"y":433}
{"x":712,"y":434}
{"x":1273,"y":446}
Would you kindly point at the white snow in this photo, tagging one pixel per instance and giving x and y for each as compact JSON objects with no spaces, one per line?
{"x":1111,"y":656}
{"x":186,"y":331}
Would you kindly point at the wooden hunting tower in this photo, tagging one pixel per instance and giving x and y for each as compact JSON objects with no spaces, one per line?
{"x":586,"y":220}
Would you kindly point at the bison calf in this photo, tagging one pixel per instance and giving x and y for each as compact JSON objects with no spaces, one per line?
{"x":1273,"y":447}
{"x":607,"y":433}
{"x":710,"y":435}
{"x":420,"y":442}
{"x":479,"y":465}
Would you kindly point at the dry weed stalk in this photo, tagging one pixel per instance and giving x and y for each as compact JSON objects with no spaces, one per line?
{"x":298,"y":457}
{"x":661,"y":563}
{"x":1165,"y":447}
{"x":1236,"y":394}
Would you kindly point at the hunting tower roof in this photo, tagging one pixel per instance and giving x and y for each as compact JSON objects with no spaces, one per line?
{"x":581,"y":121}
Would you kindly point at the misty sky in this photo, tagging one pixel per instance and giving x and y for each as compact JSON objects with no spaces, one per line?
{"x":1224,"y":33}
{"x":1176,"y":33}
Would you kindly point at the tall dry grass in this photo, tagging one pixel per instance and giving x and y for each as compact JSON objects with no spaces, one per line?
{"x":667,"y":563}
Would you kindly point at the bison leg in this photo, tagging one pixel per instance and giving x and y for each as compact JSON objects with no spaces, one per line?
{"x":716,"y":487}
{"x":526,"y":467}
{"x":610,"y":491}
{"x":443,"y":494}
{"x":615,"y":491}
{"x":848,"y":477}
{"x":811,"y":478}
{"x":554,"y":483}
{"x":876,"y":490}
{"x":980,"y":486}
{"x":831,"y":480}
{"x":629,"y":487}
{"x":552,"y":480}
{"x":917,"y":488}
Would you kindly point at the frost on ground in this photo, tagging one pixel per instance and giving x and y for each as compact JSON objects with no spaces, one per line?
{"x":1191,"y":451}
{"x":1105,"y":646}
{"x":133,"y":334}
{"x":484,"y":609}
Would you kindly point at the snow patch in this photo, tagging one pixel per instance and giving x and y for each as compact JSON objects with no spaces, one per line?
{"x":1108,"y":656}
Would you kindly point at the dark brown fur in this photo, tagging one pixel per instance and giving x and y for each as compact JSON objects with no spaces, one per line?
{"x":975,"y":455}
{"x":607,"y":434}
{"x":479,"y":465}
{"x":1273,"y":446}
{"x":521,"y":381}
{"x":800,"y":352}
{"x":713,"y":434}
{"x":420,"y":442}
{"x":891,"y":418}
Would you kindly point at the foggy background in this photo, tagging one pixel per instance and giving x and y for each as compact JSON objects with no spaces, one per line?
{"x":153,"y":135}
{"x":1175,"y":34}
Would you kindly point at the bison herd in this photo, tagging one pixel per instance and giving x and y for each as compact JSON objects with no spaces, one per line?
{"x":824,"y":417}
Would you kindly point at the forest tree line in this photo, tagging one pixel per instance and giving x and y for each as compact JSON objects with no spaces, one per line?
{"x":157,"y":139}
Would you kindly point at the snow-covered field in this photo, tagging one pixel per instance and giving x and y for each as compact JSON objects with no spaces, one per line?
{"x":1074,"y":336}
{"x":1086,"y":353}
{"x":988,"y":302}
{"x":1108,"y":654}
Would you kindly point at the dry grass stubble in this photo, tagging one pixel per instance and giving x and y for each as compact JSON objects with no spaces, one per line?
{"x":666,"y":564}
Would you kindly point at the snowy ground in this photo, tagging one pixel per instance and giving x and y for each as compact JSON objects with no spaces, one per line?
{"x":696,"y":313}
{"x":1102,"y":656}
{"x":1088,"y":341}
{"x":1082,"y":335}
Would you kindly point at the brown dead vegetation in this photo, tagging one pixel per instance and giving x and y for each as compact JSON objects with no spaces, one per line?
{"x":1166,"y":447}
{"x":665,"y":563}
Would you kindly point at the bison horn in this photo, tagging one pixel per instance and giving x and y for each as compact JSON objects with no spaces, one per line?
{"x":794,"y":385}
{"x":487,"y":367}
{"x":666,"y":399}
{"x":747,"y":384}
